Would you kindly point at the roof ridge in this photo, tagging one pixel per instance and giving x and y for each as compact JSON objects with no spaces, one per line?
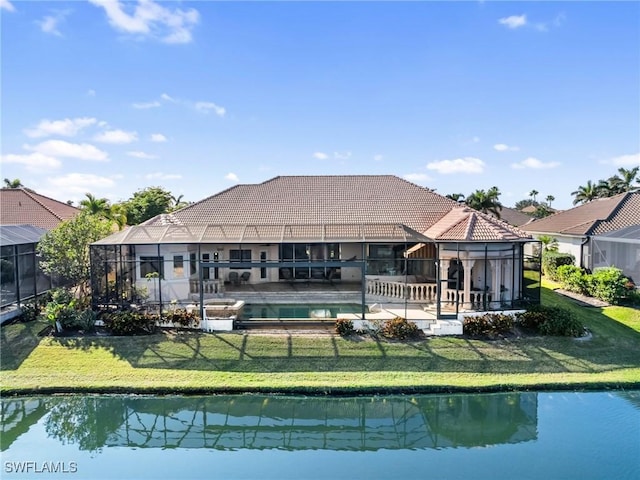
{"x":471,"y":224}
{"x":39,"y":202}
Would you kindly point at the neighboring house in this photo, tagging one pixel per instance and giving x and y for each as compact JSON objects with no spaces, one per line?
{"x":514,"y":217}
{"x":25,"y":217}
{"x":398,"y":241}
{"x":584,"y":230}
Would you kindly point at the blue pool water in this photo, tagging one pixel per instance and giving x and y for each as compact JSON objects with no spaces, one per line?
{"x":287,"y":311}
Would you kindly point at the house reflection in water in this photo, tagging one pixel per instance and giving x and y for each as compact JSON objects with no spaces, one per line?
{"x":295,"y":423}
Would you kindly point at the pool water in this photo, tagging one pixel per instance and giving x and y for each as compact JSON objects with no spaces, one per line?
{"x":284,"y":311}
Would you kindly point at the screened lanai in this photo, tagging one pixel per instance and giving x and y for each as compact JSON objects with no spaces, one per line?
{"x":20,"y":273}
{"x":620,"y":249}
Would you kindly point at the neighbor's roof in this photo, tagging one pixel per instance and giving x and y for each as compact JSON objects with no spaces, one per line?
{"x":625,"y":235}
{"x":352,"y":208}
{"x":466,"y":224}
{"x":20,"y":206}
{"x":593,"y":218}
{"x":514,"y":217}
{"x":20,"y":234}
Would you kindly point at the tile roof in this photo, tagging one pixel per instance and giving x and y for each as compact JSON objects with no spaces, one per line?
{"x":318,"y":200}
{"x":514,"y":217}
{"x":593,"y":218}
{"x":466,"y":224}
{"x":22,"y":206}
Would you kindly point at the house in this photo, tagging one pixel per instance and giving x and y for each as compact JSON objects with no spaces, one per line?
{"x":514,"y":217}
{"x":396,"y":241}
{"x":602,"y":232}
{"x":25,"y":216}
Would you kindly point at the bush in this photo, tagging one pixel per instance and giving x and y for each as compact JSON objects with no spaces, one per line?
{"x":400,"y":329}
{"x":555,"y":321}
{"x":129,"y":322}
{"x":61,"y":309}
{"x":487,"y":324}
{"x":181,"y":317}
{"x":344,"y":327}
{"x":573,"y":278}
{"x":552,"y":260}
{"x":608,"y":284}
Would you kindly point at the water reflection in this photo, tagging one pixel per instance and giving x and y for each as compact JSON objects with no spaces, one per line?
{"x":271,"y":422}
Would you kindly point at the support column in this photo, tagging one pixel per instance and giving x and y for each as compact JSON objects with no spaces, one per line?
{"x":467,"y":264}
{"x":496,"y":281}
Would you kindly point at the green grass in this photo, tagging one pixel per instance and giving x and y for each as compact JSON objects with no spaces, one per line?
{"x":202,"y":362}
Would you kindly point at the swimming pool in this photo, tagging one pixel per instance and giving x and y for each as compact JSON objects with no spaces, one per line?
{"x":274,"y":310}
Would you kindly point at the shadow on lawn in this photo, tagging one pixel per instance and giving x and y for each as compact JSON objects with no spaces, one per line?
{"x":17,"y":341}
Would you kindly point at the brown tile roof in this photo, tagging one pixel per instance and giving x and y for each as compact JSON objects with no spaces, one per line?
{"x":318,"y":200}
{"x":593,"y":218}
{"x":466,"y":224}
{"x":21,"y":206}
{"x":327,"y":203}
{"x":514,"y":217}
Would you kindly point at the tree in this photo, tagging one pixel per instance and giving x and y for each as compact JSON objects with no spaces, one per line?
{"x":177,"y":203}
{"x":549,"y":199}
{"x":146,"y":204}
{"x":527,"y":202}
{"x":542,"y":210}
{"x":65,"y":249}
{"x":628,"y":177}
{"x":586,"y":193}
{"x":549,"y":243}
{"x":533,"y":194}
{"x":458,"y":197}
{"x":16,"y":183}
{"x":96,"y":206}
{"x":486,"y":202}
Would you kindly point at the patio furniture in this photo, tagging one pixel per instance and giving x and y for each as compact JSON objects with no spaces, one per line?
{"x":244,"y":277}
{"x":234,"y":278}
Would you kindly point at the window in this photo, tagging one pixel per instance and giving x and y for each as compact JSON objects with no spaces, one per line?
{"x":151,"y":265}
{"x":239,"y":256}
{"x":178,"y":266}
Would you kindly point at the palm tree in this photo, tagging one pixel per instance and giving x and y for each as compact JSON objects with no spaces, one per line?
{"x":549,"y":243}
{"x":16,"y":183}
{"x":458,"y":197}
{"x":486,"y":202}
{"x":96,"y":206}
{"x":586,"y":193}
{"x":533,"y":194}
{"x":549,"y":199}
{"x":627,"y":177}
{"x":178,"y":203}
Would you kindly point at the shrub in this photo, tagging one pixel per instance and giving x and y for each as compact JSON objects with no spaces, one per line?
{"x":552,"y":260}
{"x":126,"y":322}
{"x":487,"y":324}
{"x":608,"y":284}
{"x":573,"y":278}
{"x":61,"y":309}
{"x":546,"y":320}
{"x":181,"y":317}
{"x":344,"y":327}
{"x":400,"y":328}
{"x":30,"y":311}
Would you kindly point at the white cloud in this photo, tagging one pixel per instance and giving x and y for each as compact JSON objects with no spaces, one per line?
{"x":158,"y":137}
{"x":166,"y":97}
{"x":151,"y":20}
{"x":163,"y":176}
{"x":342,"y":155}
{"x":626,"y":160}
{"x":501,"y":147}
{"x":377,"y":158}
{"x":146,"y":105}
{"x":206,"y":107}
{"x":60,"y":148}
{"x":320,"y":155}
{"x":6,"y":5}
{"x":535,"y":164}
{"x":475,"y":139}
{"x":143,"y":155}
{"x":49,"y":24}
{"x":34,"y":162}
{"x":514,"y":21}
{"x":232,"y":177}
{"x":417,"y":177}
{"x":67,"y":127}
{"x":81,"y":182}
{"x":116,"y":136}
{"x":459,"y":165}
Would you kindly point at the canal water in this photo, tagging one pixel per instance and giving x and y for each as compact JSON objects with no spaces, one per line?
{"x":528,"y":435}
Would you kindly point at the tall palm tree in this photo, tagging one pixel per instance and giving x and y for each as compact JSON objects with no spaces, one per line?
{"x":533,"y":194}
{"x":586,"y":193}
{"x":458,"y":197}
{"x":96,"y":206}
{"x":16,"y":183}
{"x":549,"y":243}
{"x":486,"y":202}
{"x":549,"y":199}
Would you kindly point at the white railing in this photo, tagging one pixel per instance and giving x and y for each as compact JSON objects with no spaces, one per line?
{"x":208,"y":286}
{"x":417,"y":292}
{"x":476,"y":301}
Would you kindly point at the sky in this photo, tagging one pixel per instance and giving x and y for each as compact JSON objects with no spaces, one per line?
{"x":111,"y":97}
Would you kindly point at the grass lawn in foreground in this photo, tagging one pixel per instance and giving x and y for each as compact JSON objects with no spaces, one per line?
{"x":204,"y":362}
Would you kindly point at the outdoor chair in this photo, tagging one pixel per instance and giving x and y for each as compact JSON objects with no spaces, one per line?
{"x":234,"y":278}
{"x":244,"y":278}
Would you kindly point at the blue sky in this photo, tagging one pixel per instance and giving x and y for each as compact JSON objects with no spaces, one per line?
{"x":111,"y":97}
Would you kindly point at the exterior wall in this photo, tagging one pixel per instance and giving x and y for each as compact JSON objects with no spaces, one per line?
{"x":568,"y":244}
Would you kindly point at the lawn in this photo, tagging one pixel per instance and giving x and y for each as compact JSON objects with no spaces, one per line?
{"x":236,"y":362}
